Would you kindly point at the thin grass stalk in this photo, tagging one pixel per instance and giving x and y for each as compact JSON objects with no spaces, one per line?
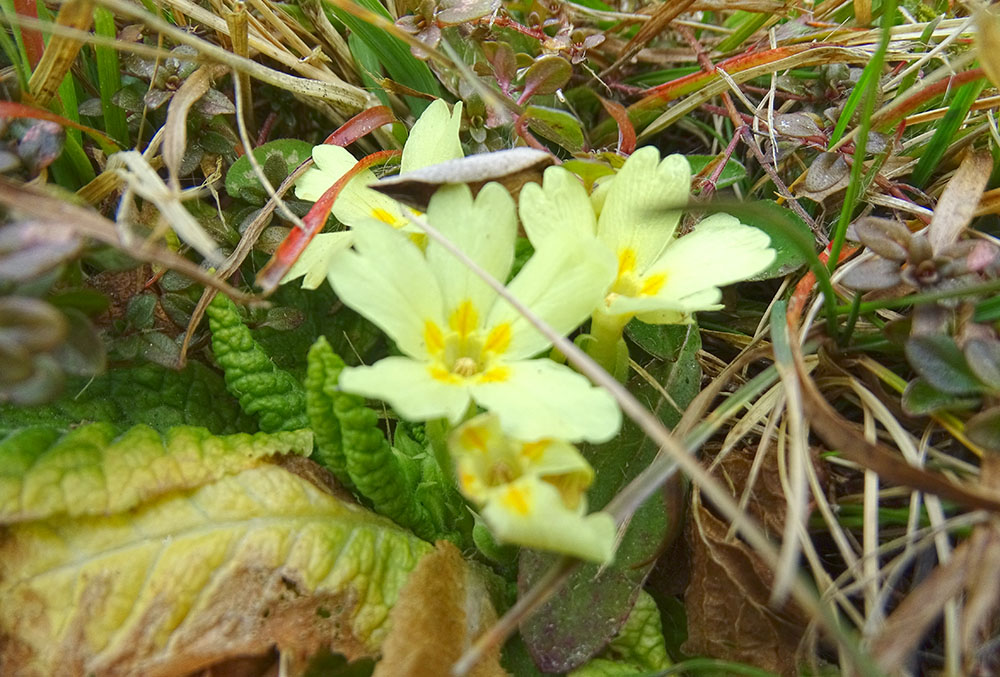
{"x":861,"y":138}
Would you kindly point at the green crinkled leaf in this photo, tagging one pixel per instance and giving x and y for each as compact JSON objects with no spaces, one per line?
{"x":92,"y":470}
{"x":243,"y":562}
{"x":382,"y":476}
{"x":321,"y":393}
{"x":404,"y":483}
{"x":638,"y":648}
{"x":271,"y":394}
{"x":156,"y":396}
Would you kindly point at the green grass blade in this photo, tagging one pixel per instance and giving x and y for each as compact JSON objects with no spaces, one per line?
{"x":925,"y":38}
{"x":873,"y":70}
{"x":14,"y":49}
{"x":369,"y":66}
{"x":393,"y":53}
{"x":109,"y":78}
{"x":945,"y":133}
{"x":744,"y":30}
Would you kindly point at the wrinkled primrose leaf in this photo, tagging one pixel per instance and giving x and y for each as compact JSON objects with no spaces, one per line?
{"x":145,"y":555}
{"x":150,"y":394}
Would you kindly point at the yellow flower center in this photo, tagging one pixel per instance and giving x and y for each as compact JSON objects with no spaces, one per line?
{"x":387,"y":217}
{"x":629,"y":282}
{"x":465,"y":351}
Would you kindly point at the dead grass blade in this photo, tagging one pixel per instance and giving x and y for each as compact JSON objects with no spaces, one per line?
{"x":142,"y":180}
{"x":840,"y":434}
{"x":660,"y":19}
{"x":912,"y":618}
{"x":56,"y":211}
{"x":61,"y":51}
{"x":175,"y":127}
{"x":341,"y":96}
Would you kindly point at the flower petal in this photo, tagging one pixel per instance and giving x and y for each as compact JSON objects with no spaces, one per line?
{"x":559,"y":207}
{"x":484,"y":228}
{"x":641,"y":212}
{"x":409,"y":389}
{"x":485,"y":456}
{"x":356,"y":201}
{"x":719,"y":251}
{"x":388,"y":281}
{"x":434,"y":137}
{"x":530,"y":512}
{"x":314,"y":263}
{"x":563,"y":282}
{"x":540,"y":398}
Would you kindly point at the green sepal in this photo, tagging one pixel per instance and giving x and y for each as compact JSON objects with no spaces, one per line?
{"x":265,"y":391}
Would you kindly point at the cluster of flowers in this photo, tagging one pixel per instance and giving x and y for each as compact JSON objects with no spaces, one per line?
{"x":611,"y":256}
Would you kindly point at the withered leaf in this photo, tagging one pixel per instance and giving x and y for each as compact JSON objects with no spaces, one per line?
{"x":959,"y":200}
{"x":136,"y":555}
{"x":441,"y":610}
{"x":727,"y":601}
{"x":512,"y":168}
{"x":827,"y":174}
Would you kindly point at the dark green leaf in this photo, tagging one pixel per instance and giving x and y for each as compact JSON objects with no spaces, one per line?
{"x":983,"y":356}
{"x":733,"y":172}
{"x":939,"y":361}
{"x":546,"y":75}
{"x":141,"y":311}
{"x":984,"y":429}
{"x":788,"y":256}
{"x":555,"y":125}
{"x":241,"y":180}
{"x":921,"y":398}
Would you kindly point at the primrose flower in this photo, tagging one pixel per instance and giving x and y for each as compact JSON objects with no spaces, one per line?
{"x":530,"y":493}
{"x":433,"y":139}
{"x":661,"y":278}
{"x":461,"y":342}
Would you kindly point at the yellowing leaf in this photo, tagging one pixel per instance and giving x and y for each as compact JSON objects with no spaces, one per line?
{"x":90,"y":471}
{"x":228,"y":564}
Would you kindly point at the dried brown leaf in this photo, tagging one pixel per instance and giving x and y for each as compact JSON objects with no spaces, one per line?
{"x":59,"y":214}
{"x":727,"y":601}
{"x":442,"y":608}
{"x":958,"y":203}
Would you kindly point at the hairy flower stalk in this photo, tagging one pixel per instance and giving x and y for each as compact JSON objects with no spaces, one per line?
{"x":461,"y":342}
{"x":660,"y":278}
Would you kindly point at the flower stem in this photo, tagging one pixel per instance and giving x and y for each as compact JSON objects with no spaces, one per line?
{"x":607,"y":347}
